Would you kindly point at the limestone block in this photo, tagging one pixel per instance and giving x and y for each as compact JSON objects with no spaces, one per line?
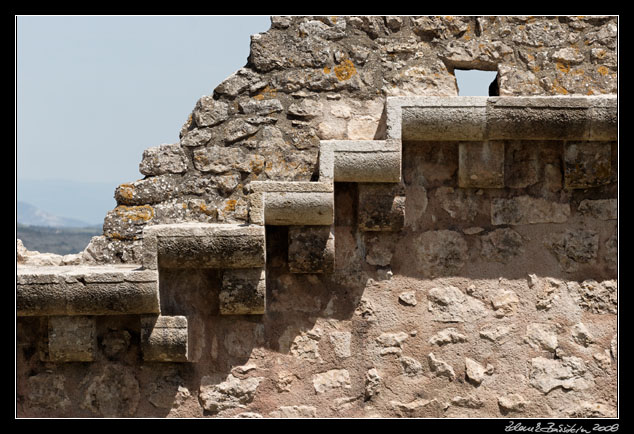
{"x":500,"y":118}
{"x":294,"y":208}
{"x":203,"y":245}
{"x":361,"y":160}
{"x":481,"y":164}
{"x":72,"y":338}
{"x":381,"y":207}
{"x":164,"y":338}
{"x":444,"y":118}
{"x":243,"y":292}
{"x":94,"y":290}
{"x":283,"y":203}
{"x":587,"y":164}
{"x":545,"y":118}
{"x":311,"y":249}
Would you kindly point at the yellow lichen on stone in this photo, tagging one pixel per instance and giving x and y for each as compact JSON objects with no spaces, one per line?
{"x":345,"y":70}
{"x":563,"y":67}
{"x":557,"y":88}
{"x":326,"y":70}
{"x":267,"y":92}
{"x":203,"y":208}
{"x":126,"y":191}
{"x":603,"y":70}
{"x":135,"y":213}
{"x":230,"y":205}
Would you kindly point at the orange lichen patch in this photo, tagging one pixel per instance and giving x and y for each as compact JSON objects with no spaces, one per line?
{"x":126,"y":191}
{"x":135,"y":213}
{"x":589,"y":92}
{"x":184,"y":206}
{"x":334,"y":19}
{"x":536,"y":68}
{"x":601,"y":54}
{"x":230,"y":205}
{"x":210,"y":212}
{"x":345,"y":70}
{"x":326,"y":70}
{"x":267,"y":92}
{"x":603,"y":70}
{"x":563,"y":67}
{"x":467,"y":37}
{"x":116,"y":236}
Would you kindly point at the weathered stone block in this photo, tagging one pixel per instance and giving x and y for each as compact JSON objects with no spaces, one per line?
{"x":163,"y":159}
{"x":574,"y":247}
{"x":521,"y":163}
{"x":441,"y":252}
{"x":360,"y":160}
{"x":72,"y":338}
{"x":164,"y":338}
{"x":602,"y":209}
{"x":523,"y":210}
{"x":481,"y":164}
{"x":191,"y":245}
{"x":587,"y":164}
{"x":95,"y":290}
{"x":148,"y":191}
{"x":209,"y":112}
{"x":381,"y":207}
{"x":311,"y":249}
{"x":283,"y":203}
{"x":127,"y":222}
{"x":295,"y":208}
{"x":243,"y":292}
{"x":439,"y":118}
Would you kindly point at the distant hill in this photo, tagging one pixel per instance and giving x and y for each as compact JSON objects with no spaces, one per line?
{"x":62,"y":241}
{"x":33,"y":216}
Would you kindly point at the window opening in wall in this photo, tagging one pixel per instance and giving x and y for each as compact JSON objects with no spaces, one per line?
{"x":474,"y":82}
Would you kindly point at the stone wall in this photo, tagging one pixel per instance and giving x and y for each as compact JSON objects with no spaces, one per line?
{"x":476,"y":280}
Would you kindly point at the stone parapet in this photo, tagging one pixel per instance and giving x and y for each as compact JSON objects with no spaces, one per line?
{"x":499,"y":118}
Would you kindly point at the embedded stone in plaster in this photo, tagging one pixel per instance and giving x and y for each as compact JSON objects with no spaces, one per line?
{"x":481,"y":164}
{"x":243,"y":292}
{"x":523,"y":210}
{"x":587,"y":164}
{"x":311,"y":249}
{"x":72,"y":338}
{"x":381,"y":207}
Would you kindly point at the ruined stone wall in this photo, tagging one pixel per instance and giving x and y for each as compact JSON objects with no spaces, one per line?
{"x":481,"y":285}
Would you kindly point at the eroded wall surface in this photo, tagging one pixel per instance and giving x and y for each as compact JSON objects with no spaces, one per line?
{"x":482,"y":285}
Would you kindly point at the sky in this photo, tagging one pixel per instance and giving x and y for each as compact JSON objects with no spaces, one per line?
{"x":93,"y":92}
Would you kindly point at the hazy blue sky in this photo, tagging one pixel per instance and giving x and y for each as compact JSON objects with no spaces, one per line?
{"x":94,"y":91}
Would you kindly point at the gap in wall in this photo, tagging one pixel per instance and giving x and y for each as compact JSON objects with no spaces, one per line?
{"x":475,"y":82}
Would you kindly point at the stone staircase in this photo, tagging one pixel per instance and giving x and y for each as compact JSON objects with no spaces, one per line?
{"x":71,"y":297}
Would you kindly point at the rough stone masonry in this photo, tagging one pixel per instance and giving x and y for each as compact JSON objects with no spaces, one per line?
{"x":339,"y":234}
